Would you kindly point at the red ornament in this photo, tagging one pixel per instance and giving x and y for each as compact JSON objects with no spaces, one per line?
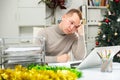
{"x":107,"y":20}
{"x":97,"y":43}
{"x":117,"y":1}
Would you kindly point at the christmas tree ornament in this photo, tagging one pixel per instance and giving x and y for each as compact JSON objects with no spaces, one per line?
{"x":109,"y":23}
{"x":97,"y":43}
{"x":117,"y":1}
{"x":107,"y":20}
{"x":109,"y":13}
{"x":107,"y":6}
{"x":99,"y":31}
{"x":104,"y":36}
{"x":115,"y":33}
{"x":99,"y":24}
{"x":118,"y":20}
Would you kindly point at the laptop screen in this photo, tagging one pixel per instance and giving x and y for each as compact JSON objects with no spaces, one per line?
{"x":93,"y":59}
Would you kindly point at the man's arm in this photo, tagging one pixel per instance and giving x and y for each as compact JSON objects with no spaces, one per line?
{"x":61,"y":58}
{"x":79,"y":48}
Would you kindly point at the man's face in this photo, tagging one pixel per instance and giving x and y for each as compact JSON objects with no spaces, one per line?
{"x":70,"y":24}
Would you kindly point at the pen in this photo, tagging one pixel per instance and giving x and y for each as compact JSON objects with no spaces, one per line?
{"x":99,"y":55}
{"x":108,"y":56}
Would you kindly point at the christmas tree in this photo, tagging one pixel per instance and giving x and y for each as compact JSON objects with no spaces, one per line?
{"x":109,"y":27}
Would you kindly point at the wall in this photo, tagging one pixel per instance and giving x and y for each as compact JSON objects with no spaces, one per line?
{"x":8,"y":15}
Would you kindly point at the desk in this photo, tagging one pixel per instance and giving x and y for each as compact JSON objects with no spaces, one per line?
{"x":96,"y":74}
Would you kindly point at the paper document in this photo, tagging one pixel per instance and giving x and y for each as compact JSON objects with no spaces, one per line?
{"x":67,"y":64}
{"x":22,"y":49}
{"x":59,"y":64}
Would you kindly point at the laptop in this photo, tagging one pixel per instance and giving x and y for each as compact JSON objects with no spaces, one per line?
{"x":93,"y":59}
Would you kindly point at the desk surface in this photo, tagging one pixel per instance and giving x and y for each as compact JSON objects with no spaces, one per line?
{"x":96,"y":74}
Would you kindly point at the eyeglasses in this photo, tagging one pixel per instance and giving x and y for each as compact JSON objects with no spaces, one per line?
{"x":72,"y":23}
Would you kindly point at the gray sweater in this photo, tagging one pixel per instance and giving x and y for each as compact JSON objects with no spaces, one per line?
{"x":58,"y":43}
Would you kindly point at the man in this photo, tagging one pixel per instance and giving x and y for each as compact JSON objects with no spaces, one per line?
{"x":66,"y":36}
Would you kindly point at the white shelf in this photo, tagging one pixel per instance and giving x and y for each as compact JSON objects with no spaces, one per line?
{"x":97,"y":7}
{"x":94,"y":14}
{"x":92,"y":24}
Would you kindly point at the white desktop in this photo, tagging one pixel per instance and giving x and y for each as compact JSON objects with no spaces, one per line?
{"x":91,"y":66}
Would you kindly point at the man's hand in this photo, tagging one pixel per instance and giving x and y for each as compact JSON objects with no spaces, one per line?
{"x":63,"y":58}
{"x":81,"y":30}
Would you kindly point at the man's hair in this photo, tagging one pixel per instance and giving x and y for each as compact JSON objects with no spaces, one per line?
{"x":78,"y":12}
